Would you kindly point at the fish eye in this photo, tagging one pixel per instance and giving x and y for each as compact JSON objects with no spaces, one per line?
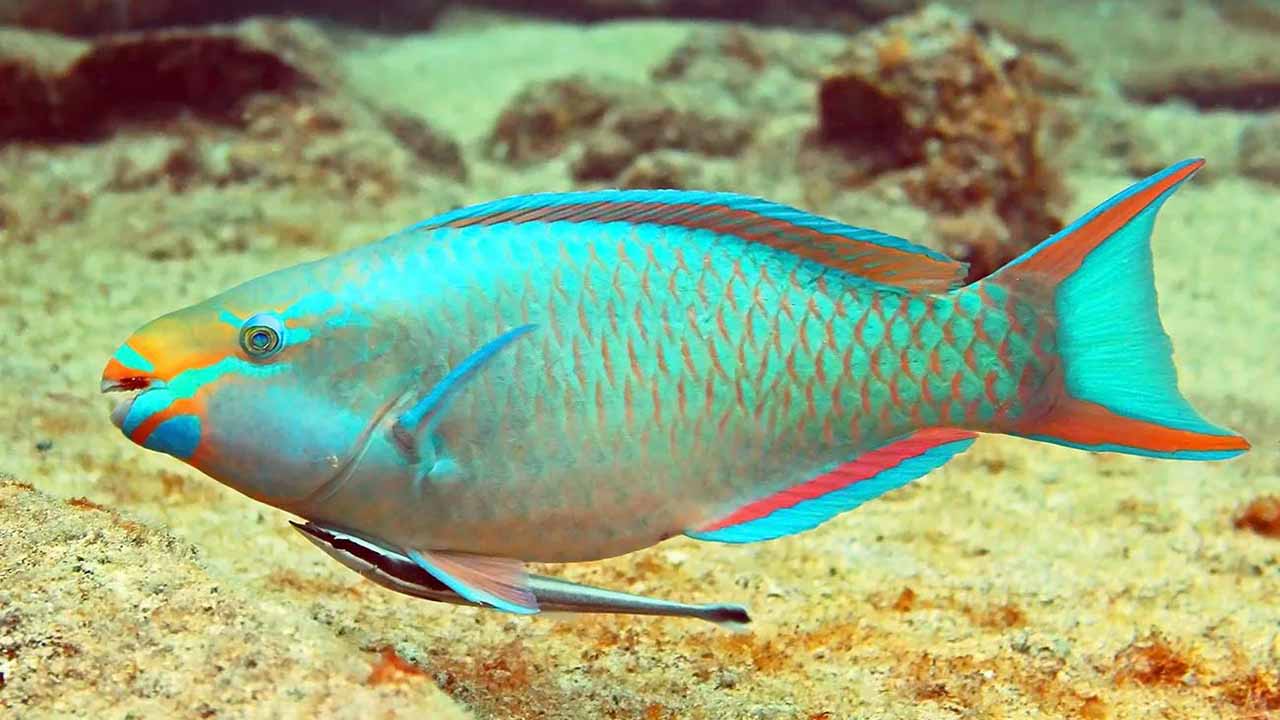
{"x":262,"y":336}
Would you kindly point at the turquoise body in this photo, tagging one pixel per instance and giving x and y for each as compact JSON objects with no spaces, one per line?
{"x":670,"y":374}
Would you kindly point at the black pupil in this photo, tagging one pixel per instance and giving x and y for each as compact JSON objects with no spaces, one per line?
{"x":260,"y":339}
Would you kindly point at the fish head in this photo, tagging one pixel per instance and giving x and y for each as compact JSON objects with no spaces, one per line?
{"x":269,"y":387}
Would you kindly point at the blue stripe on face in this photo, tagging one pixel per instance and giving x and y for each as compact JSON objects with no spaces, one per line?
{"x":230,"y":318}
{"x":176,"y":436}
{"x":130,"y":358}
{"x":315,"y":303}
{"x":144,"y":406}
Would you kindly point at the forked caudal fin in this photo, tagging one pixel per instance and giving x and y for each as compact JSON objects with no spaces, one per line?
{"x":1120,"y":389}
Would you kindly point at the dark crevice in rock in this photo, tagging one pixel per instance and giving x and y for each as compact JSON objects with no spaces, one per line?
{"x":98,"y":17}
{"x":822,"y":14}
{"x":1256,"y":94}
{"x":138,"y":79}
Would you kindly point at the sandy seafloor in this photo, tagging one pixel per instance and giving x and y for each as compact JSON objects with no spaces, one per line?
{"x":1021,"y":580}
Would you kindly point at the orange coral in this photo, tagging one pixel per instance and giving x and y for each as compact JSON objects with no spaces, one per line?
{"x":84,"y":503}
{"x":906,"y":600}
{"x":893,"y":53}
{"x":1151,"y":661}
{"x":391,"y":668}
{"x":1261,"y":516}
{"x":1257,"y":691}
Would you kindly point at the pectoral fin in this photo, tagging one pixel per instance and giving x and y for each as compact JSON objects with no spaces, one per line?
{"x":498,"y":582}
{"x":420,"y":420}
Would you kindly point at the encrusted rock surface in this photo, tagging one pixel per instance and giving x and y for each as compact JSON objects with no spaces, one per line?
{"x":103,"y":616}
{"x":953,"y":111}
{"x":606,"y":129}
{"x":98,"y":17}
{"x":84,"y":90}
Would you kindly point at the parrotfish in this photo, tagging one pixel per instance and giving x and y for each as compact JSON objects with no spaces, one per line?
{"x":565,"y":377}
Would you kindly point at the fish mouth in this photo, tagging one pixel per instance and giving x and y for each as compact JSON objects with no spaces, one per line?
{"x":129,"y":390}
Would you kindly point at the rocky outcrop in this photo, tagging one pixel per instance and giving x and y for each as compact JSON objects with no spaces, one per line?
{"x":101,"y":616}
{"x":952,"y":111}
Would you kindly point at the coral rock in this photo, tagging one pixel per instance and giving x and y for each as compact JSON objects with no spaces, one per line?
{"x":662,"y":169}
{"x":605,"y":130}
{"x":137,"y":78}
{"x":538,"y":122}
{"x":955,"y":107}
{"x":733,"y":68}
{"x":429,"y":145}
{"x":101,"y":616}
{"x":93,"y":17}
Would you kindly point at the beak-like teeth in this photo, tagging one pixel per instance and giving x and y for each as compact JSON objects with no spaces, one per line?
{"x":125,"y":384}
{"x":130,"y":388}
{"x":122,"y":408}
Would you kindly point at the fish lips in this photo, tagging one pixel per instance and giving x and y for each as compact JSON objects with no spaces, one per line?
{"x":129,"y":390}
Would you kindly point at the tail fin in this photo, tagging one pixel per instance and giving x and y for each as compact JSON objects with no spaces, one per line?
{"x":1121,"y":389}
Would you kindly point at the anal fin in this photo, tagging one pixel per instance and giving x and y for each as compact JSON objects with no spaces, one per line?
{"x":501,"y":583}
{"x":837,"y":489}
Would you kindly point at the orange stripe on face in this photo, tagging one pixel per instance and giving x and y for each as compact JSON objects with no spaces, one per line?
{"x":118,"y":372}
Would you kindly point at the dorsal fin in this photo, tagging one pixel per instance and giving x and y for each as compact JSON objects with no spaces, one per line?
{"x":858,"y":251}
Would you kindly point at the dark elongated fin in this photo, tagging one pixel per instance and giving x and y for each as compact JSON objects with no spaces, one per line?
{"x":729,"y":617}
{"x":869,"y":254}
{"x":837,"y":490}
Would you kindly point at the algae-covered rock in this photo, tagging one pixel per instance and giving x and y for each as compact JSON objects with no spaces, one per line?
{"x":606,"y":128}
{"x":957,"y":107}
{"x":735,"y":68}
{"x":538,"y":123}
{"x":134,"y":79}
{"x":101,"y":616}
{"x":95,"y":17}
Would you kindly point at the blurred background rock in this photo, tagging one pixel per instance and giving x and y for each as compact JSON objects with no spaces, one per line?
{"x":95,"y":17}
{"x":88,"y":17}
